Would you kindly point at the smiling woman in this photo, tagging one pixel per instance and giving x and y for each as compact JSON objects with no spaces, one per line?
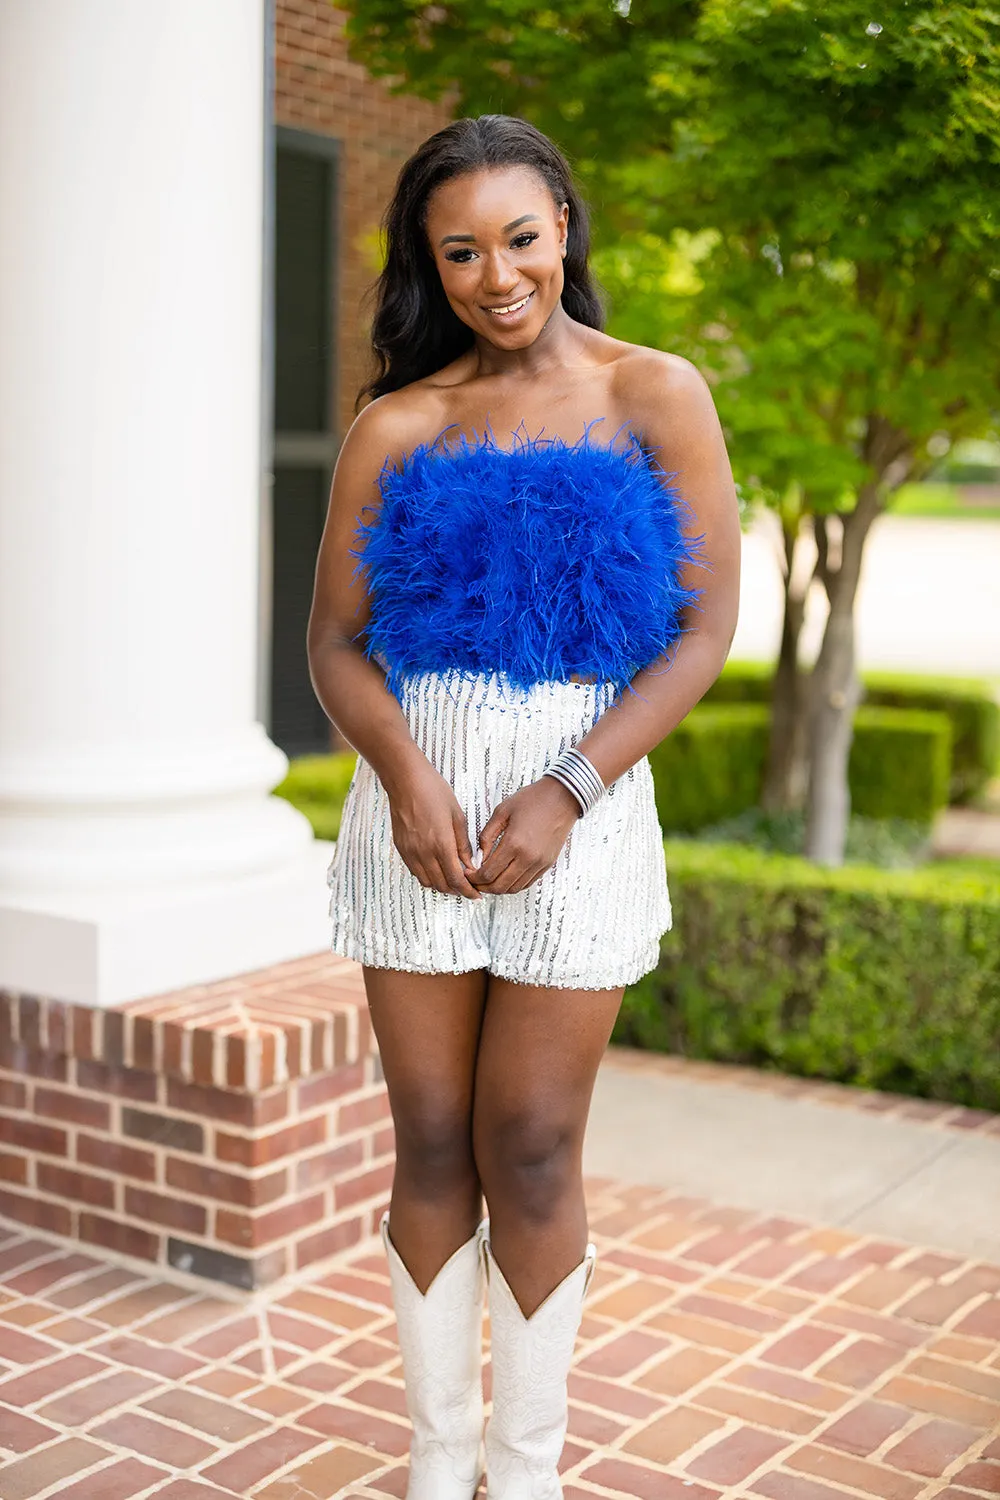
{"x":508,"y":616}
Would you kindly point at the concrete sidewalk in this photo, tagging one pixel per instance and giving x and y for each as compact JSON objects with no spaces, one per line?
{"x":875,"y":1164}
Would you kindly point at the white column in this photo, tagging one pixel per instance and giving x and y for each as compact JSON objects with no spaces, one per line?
{"x":134,"y":780}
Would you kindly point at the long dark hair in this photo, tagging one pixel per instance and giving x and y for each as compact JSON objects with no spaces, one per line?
{"x":414,"y":330}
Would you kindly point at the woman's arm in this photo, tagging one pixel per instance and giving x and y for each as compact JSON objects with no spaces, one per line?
{"x":677,"y":421}
{"x":428,"y":825}
{"x":675,"y":417}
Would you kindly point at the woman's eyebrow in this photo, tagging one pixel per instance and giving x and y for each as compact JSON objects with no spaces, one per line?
{"x":468,"y":239}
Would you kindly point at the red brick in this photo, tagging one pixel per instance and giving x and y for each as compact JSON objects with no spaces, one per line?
{"x":860,"y":1364}
{"x":981,"y":1476}
{"x":19,"y":1434}
{"x":327,"y":1166}
{"x":59,"y":1104}
{"x":780,"y":1486}
{"x":45,"y":1467}
{"x":258,"y":1151}
{"x":770,"y":1262}
{"x":13,"y":1094}
{"x":347,"y":1192}
{"x":64,"y":1182}
{"x":610,"y":1395}
{"x":113,"y":1156}
{"x":726,"y":1310}
{"x":53,"y":1218}
{"x":20,"y":1348}
{"x":29,"y":1062}
{"x":983,"y":1322}
{"x":30,"y":1136}
{"x":736,"y":1456}
{"x":125,"y":1238}
{"x":35,"y":1385}
{"x":141,"y":1434}
{"x":361,"y":1112}
{"x":123,"y":1083}
{"x":262,"y":1229}
{"x":77,"y":1408}
{"x":801,"y":1348}
{"x":866,"y":1428}
{"x":329,"y":1241}
{"x":116,"y":1482}
{"x":13,"y":1168}
{"x":224,"y":1187}
{"x":217,"y":1419}
{"x":126,"y":1349}
{"x":362,"y":1427}
{"x":328,"y":1087}
{"x":172,"y":1213}
{"x":635,"y":1480}
{"x":937,"y":1304}
{"x":932,"y":1448}
{"x":623,"y":1354}
{"x":253,"y":1462}
{"x":210,"y":1103}
{"x":870,"y":1479}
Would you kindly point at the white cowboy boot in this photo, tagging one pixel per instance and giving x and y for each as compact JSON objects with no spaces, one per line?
{"x":441,"y":1342}
{"x":531,"y":1359}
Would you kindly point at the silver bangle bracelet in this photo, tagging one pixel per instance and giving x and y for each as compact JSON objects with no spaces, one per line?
{"x":574,"y":771}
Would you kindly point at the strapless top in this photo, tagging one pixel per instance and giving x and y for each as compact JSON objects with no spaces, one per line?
{"x":541,"y":562}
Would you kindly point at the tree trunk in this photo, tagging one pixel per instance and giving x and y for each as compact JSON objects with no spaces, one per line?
{"x":785,"y":778}
{"x":834,"y":691}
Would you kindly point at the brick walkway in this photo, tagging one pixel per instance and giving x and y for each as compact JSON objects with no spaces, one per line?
{"x":723,"y":1354}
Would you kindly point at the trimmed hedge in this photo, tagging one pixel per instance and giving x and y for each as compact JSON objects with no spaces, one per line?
{"x":712,"y":766}
{"x":887,"y":980}
{"x":970,"y":703}
{"x":317,"y":786}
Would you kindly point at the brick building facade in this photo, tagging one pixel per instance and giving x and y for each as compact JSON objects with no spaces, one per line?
{"x":319,"y":89}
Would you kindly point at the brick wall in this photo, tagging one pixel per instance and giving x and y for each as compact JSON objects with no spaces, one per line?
{"x":236,"y":1131}
{"x":319,"y":89}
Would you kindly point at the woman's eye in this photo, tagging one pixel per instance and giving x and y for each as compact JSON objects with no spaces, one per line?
{"x":461,"y":257}
{"x":522,"y":241}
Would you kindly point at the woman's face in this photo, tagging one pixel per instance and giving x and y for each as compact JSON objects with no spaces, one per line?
{"x":498,"y":241}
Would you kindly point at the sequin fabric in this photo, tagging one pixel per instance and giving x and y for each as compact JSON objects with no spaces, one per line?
{"x":592,"y":921}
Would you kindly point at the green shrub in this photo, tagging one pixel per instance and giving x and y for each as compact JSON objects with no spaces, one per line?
{"x":900,"y":763}
{"x":712,"y":766}
{"x":971,"y":705}
{"x":317,"y":786}
{"x":885,"y":980}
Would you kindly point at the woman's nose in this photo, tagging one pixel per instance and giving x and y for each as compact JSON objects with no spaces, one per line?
{"x":499,"y":276}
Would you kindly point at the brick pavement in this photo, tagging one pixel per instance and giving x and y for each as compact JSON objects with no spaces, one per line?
{"x":723,"y":1354}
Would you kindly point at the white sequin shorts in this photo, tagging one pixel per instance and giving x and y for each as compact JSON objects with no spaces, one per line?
{"x":592,"y":921}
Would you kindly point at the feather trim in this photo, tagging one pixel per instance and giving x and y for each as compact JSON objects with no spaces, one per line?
{"x":537,"y":562}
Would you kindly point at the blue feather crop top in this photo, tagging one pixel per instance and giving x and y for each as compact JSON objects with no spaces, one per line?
{"x":540,"y":562}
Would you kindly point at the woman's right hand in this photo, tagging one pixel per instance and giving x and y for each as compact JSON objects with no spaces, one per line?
{"x":430,"y":832}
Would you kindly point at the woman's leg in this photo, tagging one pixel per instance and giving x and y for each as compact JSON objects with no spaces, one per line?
{"x":427,"y":1027}
{"x":428,"y":1031}
{"x":538,"y":1058}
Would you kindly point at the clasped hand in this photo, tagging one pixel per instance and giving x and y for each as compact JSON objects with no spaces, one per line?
{"x":521,"y":840}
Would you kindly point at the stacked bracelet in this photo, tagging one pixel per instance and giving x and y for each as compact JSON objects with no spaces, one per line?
{"x":575,"y":772}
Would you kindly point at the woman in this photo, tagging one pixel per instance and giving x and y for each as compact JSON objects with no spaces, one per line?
{"x":508,"y":616}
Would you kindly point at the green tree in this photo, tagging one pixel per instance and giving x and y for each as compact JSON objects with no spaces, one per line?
{"x":804,"y":200}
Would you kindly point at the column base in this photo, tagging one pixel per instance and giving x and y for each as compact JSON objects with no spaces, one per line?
{"x":238,"y":1132}
{"x":106,"y":948}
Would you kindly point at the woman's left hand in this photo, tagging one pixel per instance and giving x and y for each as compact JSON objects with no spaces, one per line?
{"x":532,"y":826}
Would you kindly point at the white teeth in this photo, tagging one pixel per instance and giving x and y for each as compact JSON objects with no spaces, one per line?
{"x":501,"y":312}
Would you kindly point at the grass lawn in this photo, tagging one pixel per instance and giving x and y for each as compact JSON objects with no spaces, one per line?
{"x":943,"y":501}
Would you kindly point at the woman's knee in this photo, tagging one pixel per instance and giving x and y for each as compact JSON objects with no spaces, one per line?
{"x":528,"y":1160}
{"x":434,"y":1150}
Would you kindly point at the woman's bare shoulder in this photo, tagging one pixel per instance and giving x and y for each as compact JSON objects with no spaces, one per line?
{"x":659,"y":389}
{"x":396,"y":423}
